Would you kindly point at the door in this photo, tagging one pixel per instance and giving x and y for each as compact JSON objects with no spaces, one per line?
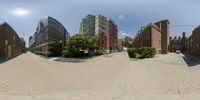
{"x":9,"y":51}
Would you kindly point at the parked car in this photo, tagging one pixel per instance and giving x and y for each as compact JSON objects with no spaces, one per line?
{"x":178,"y":51}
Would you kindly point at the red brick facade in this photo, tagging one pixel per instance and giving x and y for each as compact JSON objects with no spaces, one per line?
{"x":112,"y":38}
{"x":155,"y":36}
{"x":192,"y":44}
{"x":10,"y":43}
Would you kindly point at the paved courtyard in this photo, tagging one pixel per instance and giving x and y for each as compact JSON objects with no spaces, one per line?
{"x":109,"y":77}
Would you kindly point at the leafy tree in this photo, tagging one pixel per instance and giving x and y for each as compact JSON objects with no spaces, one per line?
{"x":55,"y":48}
{"x":127,"y":41}
{"x":92,"y":42}
{"x":76,"y":45}
{"x":92,"y":45}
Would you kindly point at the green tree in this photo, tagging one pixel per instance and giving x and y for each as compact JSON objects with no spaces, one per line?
{"x":127,"y":42}
{"x":92,"y":42}
{"x":76,"y":45}
{"x":55,"y":48}
{"x":92,"y":45}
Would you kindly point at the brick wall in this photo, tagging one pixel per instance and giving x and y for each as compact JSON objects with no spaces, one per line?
{"x":154,"y":35}
{"x":196,"y":42}
{"x":156,"y":40}
{"x":10,"y":42}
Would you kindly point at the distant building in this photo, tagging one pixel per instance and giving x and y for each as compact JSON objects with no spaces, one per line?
{"x":87,"y":26}
{"x":23,"y":45}
{"x":48,"y":29}
{"x":193,"y":42}
{"x":10,"y":43}
{"x":196,"y":41}
{"x":189,"y":45}
{"x":120,"y":44}
{"x":178,"y":43}
{"x":154,"y":35}
{"x":103,"y":27}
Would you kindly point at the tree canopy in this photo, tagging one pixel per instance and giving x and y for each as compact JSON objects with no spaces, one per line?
{"x":127,"y":41}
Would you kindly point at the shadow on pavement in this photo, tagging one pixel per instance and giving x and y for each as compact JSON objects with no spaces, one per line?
{"x":70,"y":60}
{"x":191,"y":60}
{"x":3,"y":61}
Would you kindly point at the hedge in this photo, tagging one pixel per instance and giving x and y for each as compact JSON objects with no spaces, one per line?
{"x":146,"y":52}
{"x":143,"y":52}
{"x":132,"y":52}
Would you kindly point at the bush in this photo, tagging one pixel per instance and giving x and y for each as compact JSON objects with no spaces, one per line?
{"x":55,"y":48}
{"x":146,"y":52}
{"x":67,"y":54}
{"x":132,"y":52}
{"x":97,"y":53}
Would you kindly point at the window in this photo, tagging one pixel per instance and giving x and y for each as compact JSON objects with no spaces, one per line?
{"x":160,"y":42}
{"x":14,"y":37}
{"x":6,"y":42}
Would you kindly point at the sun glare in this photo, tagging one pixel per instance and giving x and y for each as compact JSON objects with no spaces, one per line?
{"x":21,"y":12}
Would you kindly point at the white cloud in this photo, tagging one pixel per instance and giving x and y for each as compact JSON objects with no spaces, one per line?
{"x":123,"y":34}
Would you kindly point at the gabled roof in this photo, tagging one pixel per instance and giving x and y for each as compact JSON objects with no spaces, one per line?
{"x":152,"y":25}
{"x":5,"y":24}
{"x":163,"y":21}
{"x":198,"y":27}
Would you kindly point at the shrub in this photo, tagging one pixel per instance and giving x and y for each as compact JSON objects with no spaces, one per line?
{"x":55,"y":48}
{"x":146,"y":52}
{"x":132,"y":52}
{"x":98,"y":53}
{"x":67,"y":54}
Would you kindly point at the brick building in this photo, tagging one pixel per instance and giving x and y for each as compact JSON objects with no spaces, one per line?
{"x":196,"y":41}
{"x":10,"y":43}
{"x":193,"y":42}
{"x":154,"y":35}
{"x":49,"y":29}
{"x":103,"y":27}
{"x":189,"y":45}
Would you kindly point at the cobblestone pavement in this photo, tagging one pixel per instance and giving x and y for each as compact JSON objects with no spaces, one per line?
{"x":113,"y":77}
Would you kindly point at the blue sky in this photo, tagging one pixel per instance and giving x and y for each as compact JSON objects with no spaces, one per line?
{"x":129,"y":15}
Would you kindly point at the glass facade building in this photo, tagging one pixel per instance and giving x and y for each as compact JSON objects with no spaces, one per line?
{"x":48,"y":29}
{"x":88,"y":26}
